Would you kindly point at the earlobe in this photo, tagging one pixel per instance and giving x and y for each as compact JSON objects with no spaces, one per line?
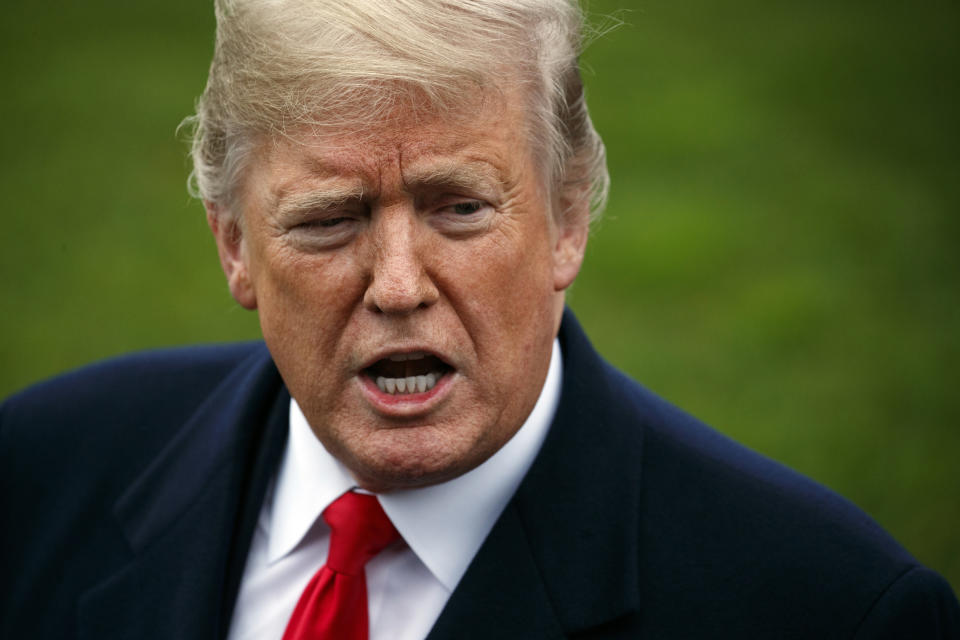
{"x":230,"y":246}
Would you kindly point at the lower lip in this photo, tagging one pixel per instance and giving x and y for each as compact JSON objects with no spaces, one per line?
{"x":405,"y":404}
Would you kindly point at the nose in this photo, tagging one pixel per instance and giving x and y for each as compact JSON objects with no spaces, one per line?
{"x":399,"y":283}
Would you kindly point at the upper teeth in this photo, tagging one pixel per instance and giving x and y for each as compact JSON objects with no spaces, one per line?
{"x":410,"y":384}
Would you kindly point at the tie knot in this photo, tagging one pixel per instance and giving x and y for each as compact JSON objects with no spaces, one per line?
{"x":359,"y":530}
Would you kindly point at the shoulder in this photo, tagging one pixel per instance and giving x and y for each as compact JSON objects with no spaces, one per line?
{"x":72,"y":447}
{"x":110,"y":415}
{"x":117,"y":384}
{"x":721,"y":516}
{"x":745,"y":542}
{"x":137,"y":369}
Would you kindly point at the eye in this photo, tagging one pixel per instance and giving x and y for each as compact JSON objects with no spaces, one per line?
{"x":466,"y":208}
{"x":326,"y":223}
{"x":457,"y":216}
{"x":324,"y":233}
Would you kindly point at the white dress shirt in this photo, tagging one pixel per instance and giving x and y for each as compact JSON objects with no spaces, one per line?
{"x":408,"y":584}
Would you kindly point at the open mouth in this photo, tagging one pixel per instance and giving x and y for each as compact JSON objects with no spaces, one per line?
{"x":408,"y":373}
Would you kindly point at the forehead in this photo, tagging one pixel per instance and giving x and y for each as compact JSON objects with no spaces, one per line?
{"x":489,"y":142}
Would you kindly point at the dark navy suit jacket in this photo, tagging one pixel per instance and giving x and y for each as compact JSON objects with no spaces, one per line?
{"x":130,"y":490}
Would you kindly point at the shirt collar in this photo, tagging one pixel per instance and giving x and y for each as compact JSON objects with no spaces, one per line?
{"x":444,"y":524}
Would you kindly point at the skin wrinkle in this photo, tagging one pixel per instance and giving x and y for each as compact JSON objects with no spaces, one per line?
{"x":487,"y":300}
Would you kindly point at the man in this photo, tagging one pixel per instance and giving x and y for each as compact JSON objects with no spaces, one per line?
{"x":402,"y":190}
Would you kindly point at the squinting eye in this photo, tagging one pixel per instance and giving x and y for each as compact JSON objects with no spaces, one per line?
{"x":325,"y":223}
{"x":331,"y":222}
{"x":466,"y":208}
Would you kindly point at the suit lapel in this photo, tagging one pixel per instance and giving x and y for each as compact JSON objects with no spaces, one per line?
{"x":502,"y":594}
{"x":563,"y":556}
{"x":190,"y":516}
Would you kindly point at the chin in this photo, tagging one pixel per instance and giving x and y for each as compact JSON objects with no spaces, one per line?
{"x":406,"y":458}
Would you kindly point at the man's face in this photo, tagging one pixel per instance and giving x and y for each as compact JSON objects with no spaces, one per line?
{"x":409,"y":282}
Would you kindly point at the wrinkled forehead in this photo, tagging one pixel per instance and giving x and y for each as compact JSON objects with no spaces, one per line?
{"x":400,"y":109}
{"x":491,"y":129}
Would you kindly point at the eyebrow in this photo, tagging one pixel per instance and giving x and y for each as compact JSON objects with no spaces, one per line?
{"x":468,"y":175}
{"x":472,"y":176}
{"x":322,"y":198}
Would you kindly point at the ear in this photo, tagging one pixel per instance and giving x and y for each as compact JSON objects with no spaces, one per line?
{"x":233,"y":259}
{"x":573,"y":229}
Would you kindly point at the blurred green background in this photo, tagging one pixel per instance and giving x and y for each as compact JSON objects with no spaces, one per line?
{"x":778,"y":256}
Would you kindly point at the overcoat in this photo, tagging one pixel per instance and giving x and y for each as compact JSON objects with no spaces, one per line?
{"x":129,"y":491}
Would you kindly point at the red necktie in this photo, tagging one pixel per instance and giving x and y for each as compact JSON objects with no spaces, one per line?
{"x":334,"y":604}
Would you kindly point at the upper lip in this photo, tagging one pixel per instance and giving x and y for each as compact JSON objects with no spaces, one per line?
{"x":386,"y":352}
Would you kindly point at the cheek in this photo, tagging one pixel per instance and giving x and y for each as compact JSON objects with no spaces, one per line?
{"x":305,"y":301}
{"x":501,"y":286}
{"x":306,"y":282}
{"x":519,"y":268}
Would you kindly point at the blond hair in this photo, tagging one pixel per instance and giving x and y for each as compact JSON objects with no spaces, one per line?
{"x":336,"y":65}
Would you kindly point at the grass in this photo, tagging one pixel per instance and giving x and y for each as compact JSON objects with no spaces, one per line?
{"x":777,"y":258}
